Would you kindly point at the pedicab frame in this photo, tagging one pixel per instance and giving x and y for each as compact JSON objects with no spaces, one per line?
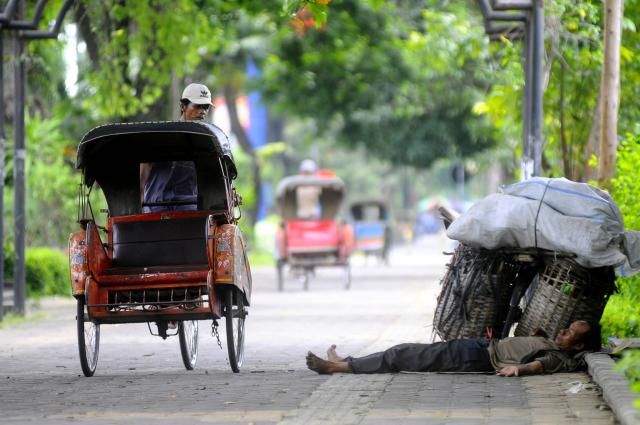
{"x":164,"y":267}
{"x":371,"y":237}
{"x":304,"y":244}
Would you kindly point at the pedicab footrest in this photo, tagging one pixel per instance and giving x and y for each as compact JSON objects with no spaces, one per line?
{"x":189,"y":298}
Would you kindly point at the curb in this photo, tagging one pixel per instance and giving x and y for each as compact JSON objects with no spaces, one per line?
{"x":615,"y":388}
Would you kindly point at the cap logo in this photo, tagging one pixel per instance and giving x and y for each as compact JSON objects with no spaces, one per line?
{"x":204,"y":93}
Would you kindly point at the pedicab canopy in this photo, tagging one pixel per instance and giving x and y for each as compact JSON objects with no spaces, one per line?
{"x":369,"y":210}
{"x":331,"y":195}
{"x":110,"y":155}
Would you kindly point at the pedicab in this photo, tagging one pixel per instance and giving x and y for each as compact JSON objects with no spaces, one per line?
{"x":372,"y":228}
{"x":170,"y":268}
{"x":306,"y":240}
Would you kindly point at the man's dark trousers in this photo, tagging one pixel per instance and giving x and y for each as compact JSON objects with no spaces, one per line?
{"x":458,"y":355}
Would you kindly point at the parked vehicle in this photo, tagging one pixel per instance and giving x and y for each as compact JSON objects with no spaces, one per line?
{"x":169,"y":268}
{"x":304,"y":241}
{"x":372,"y":227}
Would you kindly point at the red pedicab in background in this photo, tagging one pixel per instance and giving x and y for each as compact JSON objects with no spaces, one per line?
{"x":172,"y":268}
{"x":303,"y":244}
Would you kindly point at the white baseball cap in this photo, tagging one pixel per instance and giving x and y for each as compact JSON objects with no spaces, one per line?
{"x":308,"y":166}
{"x":197,"y":93}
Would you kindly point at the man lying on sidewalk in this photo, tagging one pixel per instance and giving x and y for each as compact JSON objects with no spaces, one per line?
{"x":512,"y":356}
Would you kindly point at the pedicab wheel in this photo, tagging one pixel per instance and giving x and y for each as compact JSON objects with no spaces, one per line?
{"x":280,"y":271}
{"x":347,"y":276}
{"x":305,"y":279}
{"x":235,"y":329}
{"x":88,"y":339}
{"x":188,"y":335}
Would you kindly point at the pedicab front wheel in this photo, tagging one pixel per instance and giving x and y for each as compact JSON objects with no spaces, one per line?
{"x":188,"y":335}
{"x":280,"y":273}
{"x":88,"y":339}
{"x":234,"y":319}
{"x":347,"y":276}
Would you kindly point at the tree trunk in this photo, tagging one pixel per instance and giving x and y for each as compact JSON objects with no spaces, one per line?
{"x":230,"y":96}
{"x":566,"y":161}
{"x":609,"y":91}
{"x":592,"y":146}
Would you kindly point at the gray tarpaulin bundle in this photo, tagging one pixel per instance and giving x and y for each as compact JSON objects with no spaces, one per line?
{"x":554,"y":214}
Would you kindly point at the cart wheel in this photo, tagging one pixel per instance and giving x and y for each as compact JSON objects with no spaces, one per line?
{"x":88,"y":339}
{"x":347,"y":276}
{"x":305,"y":279}
{"x":188,"y":334}
{"x":280,"y":270}
{"x":235,"y":329}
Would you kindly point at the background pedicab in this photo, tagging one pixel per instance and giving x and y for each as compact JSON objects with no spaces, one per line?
{"x":170,"y":268}
{"x":305,"y":242}
{"x":371,"y":220}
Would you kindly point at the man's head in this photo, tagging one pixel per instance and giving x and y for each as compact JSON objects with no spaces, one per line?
{"x":308,"y":167}
{"x":195,"y":102}
{"x":580,"y":335}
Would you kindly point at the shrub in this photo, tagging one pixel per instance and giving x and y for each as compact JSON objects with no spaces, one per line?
{"x":47,"y":272}
{"x":622,"y":316}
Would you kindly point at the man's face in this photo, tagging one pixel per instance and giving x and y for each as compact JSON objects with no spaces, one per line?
{"x":195,"y":112}
{"x":570,"y":339}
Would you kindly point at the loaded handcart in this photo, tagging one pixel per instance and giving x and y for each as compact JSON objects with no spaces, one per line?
{"x":168,"y":264}
{"x":532,"y":259}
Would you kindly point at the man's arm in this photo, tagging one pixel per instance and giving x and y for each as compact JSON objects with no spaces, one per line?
{"x":533,"y":368}
{"x":145,"y":170}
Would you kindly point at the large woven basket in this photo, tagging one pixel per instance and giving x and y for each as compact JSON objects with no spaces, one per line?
{"x":475,"y":293}
{"x":564,"y":292}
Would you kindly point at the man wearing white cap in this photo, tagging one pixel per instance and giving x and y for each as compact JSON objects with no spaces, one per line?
{"x":175,"y":181}
{"x":195,"y":102}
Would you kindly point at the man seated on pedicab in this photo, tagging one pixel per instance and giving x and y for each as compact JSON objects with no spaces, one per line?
{"x":308,"y":197}
{"x":513,"y":356}
{"x":175,"y":181}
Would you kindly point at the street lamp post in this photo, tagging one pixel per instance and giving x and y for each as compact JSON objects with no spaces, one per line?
{"x":24,"y":30}
{"x":523,"y":19}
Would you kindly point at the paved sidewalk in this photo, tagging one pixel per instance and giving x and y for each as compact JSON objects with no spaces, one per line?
{"x":140,"y":379}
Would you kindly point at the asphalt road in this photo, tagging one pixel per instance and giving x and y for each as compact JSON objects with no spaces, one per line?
{"x":140,"y":378}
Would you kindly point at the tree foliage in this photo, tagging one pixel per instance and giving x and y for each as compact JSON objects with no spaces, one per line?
{"x":404,"y":89}
{"x":572,"y":79}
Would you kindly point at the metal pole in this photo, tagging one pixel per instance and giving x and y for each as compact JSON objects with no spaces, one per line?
{"x":537,"y":77}
{"x":526,"y":165}
{"x":2,"y":138}
{"x":18,"y":177}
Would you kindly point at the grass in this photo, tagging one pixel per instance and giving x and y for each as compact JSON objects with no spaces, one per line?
{"x":11,"y":319}
{"x":260,"y":258}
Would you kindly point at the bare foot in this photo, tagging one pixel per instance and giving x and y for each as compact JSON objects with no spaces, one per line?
{"x":332,"y":356}
{"x":326,"y":367}
{"x":317,"y":364}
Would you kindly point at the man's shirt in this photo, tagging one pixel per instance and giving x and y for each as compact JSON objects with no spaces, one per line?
{"x":526,"y":349}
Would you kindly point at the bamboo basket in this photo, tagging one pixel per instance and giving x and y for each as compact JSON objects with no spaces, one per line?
{"x":565,"y":291}
{"x":475,"y":293}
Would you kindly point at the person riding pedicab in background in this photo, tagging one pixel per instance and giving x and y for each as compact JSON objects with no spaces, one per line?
{"x":513,"y":356}
{"x":308,"y":197}
{"x":171,"y":181}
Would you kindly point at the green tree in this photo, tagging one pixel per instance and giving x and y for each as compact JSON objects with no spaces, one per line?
{"x":403,"y":89}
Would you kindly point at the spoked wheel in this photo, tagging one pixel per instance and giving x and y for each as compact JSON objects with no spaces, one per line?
{"x":347,"y":276}
{"x":234,"y":318}
{"x":280,"y":270}
{"x":188,"y":334}
{"x":88,"y":339}
{"x":306,"y":276}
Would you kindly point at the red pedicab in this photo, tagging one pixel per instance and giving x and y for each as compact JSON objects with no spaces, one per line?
{"x":171,"y":268}
{"x":305,"y":242}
